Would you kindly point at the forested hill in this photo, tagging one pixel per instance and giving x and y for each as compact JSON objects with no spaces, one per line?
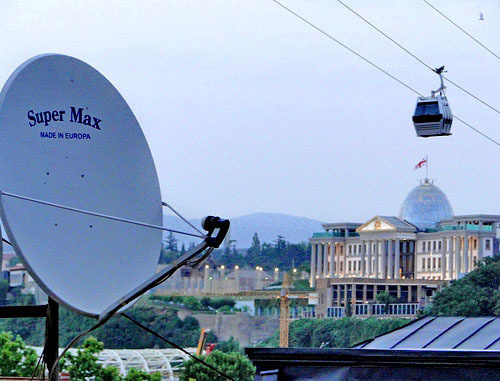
{"x":267,"y":225}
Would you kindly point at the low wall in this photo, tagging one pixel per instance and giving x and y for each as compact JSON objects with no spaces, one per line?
{"x":243,"y":327}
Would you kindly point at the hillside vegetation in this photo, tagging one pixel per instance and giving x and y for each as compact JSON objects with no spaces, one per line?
{"x":334,"y":333}
{"x":477,"y":294}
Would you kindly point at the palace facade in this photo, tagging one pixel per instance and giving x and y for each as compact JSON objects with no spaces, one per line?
{"x":410,"y":256}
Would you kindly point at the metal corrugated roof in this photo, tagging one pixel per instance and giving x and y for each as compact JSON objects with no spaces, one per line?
{"x":442,"y":333}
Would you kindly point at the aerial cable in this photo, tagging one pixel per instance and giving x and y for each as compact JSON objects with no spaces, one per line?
{"x":462,"y":29}
{"x":418,"y":59}
{"x":373,"y":64}
{"x":346,"y":47}
{"x":176,"y":346}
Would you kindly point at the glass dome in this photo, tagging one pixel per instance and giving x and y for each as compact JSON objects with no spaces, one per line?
{"x":425,"y":206}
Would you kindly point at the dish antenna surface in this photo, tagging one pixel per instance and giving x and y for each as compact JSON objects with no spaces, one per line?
{"x":68,"y":143}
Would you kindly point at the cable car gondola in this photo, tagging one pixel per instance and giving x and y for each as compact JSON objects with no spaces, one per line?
{"x":433,"y":115}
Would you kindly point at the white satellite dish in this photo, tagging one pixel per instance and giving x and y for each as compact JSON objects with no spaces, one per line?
{"x":67,"y":137}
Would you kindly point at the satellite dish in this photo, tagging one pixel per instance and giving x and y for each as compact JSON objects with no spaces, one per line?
{"x":68,"y":138}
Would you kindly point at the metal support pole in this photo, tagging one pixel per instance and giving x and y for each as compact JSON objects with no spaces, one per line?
{"x":51,"y":351}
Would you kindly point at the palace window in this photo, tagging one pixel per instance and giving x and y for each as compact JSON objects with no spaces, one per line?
{"x":487,"y":244}
{"x":439,"y":245}
{"x":439,"y":263}
{"x":434,"y":245}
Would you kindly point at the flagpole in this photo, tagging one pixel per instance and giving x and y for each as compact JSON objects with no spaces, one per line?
{"x":426,"y":167}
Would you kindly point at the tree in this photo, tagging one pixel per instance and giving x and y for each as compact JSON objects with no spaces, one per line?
{"x":84,"y":366}
{"x":228,"y":346}
{"x":280,"y":244}
{"x":230,"y":256}
{"x":4,"y":287}
{"x":140,"y":375}
{"x":15,"y":358}
{"x":477,"y":294}
{"x":385,"y":298}
{"x":462,"y":299}
{"x":233,"y":364}
{"x":171,"y":242}
{"x":255,"y":248}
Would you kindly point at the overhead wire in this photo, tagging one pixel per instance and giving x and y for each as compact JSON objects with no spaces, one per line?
{"x":462,"y":29}
{"x":417,"y":58}
{"x":374,"y":65}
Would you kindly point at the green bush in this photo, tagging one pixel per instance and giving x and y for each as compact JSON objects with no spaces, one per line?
{"x":228,"y":346}
{"x":84,"y":365}
{"x":233,"y":364}
{"x":334,"y":333}
{"x":15,"y":358}
{"x":477,"y":294}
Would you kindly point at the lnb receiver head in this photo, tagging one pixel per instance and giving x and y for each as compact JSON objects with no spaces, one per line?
{"x":210,"y":224}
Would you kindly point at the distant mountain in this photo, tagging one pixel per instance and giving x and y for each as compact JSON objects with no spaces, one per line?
{"x":267,"y":225}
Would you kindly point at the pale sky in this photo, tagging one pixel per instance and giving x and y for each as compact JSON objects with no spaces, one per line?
{"x":247,"y":109}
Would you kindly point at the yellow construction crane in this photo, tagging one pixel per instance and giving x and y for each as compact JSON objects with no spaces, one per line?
{"x":285,"y":311}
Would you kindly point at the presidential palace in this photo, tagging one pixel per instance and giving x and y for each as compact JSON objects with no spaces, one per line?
{"x":410,"y":256}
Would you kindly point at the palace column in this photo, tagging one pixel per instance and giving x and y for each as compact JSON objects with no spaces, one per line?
{"x":466,"y":253}
{"x":199,"y":283}
{"x":390,"y":271}
{"x":443,"y":258}
{"x":480,"y":247}
{"x":325,"y":260}
{"x":319,"y":260}
{"x":377,"y":258}
{"x":450,"y":257}
{"x":458,"y":256}
{"x":193,"y":286}
{"x":206,"y":286}
{"x":471,"y":254}
{"x":236,"y":278}
{"x":326,"y":270}
{"x":344,"y":266}
{"x":312,"y":280}
{"x":397,"y":272}
{"x":222,"y":272}
{"x":338,"y":250}
{"x":383,"y":252}
{"x":332,"y":259}
{"x":370,"y":259}
{"x":363,"y":264}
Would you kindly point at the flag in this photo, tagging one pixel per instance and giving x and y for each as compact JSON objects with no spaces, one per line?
{"x":421,"y":163}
